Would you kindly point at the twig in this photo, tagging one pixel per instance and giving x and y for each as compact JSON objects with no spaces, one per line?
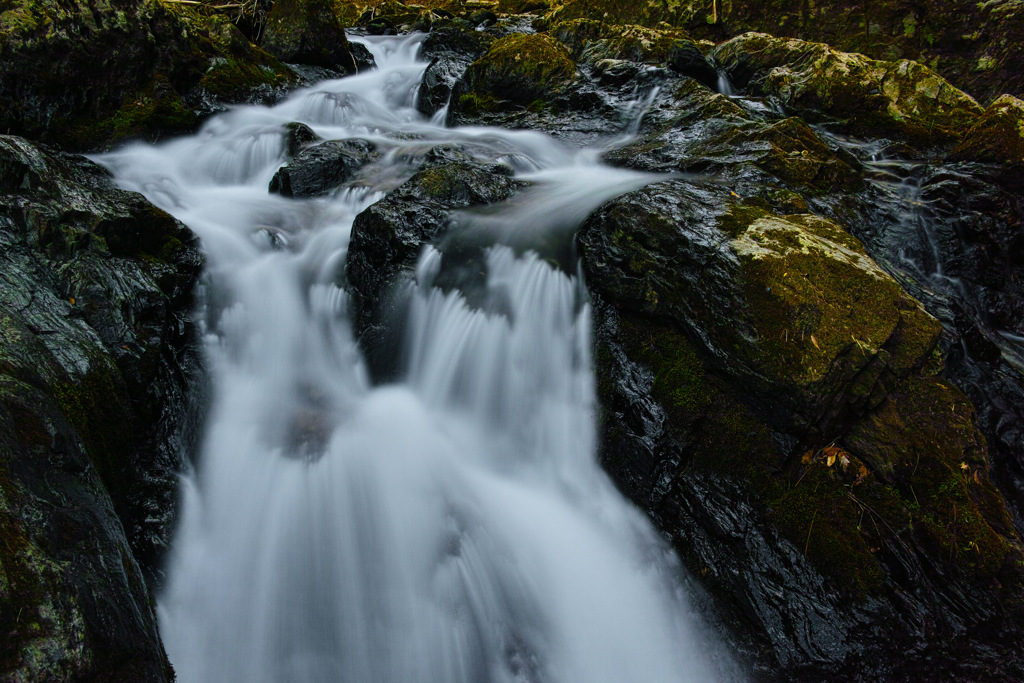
{"x":809,"y":529}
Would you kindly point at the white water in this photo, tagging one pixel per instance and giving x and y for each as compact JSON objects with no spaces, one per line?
{"x":450,"y":528}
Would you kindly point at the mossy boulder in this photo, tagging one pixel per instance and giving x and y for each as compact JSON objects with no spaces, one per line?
{"x":782,"y":161}
{"x":97,"y":359}
{"x":793,"y":303}
{"x":771,"y":396}
{"x":86,"y":77}
{"x":869,"y":97}
{"x":997,"y":136}
{"x":519,"y":70}
{"x":973,"y":45}
{"x":591,"y":41}
{"x":307,"y":32}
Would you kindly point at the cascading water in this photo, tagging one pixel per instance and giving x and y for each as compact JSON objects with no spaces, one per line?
{"x":451,"y":527}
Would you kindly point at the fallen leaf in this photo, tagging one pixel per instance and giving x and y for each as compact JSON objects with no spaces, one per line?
{"x":964,"y":466}
{"x":71,"y":300}
{"x":977,"y":480}
{"x":844,"y":461}
{"x":830,"y":460}
{"x":815,"y":342}
{"x":807,"y":458}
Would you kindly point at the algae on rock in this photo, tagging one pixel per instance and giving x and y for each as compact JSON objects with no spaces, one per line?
{"x":867,"y":96}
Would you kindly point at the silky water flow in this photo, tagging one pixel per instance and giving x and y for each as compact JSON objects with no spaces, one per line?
{"x":450,"y":527}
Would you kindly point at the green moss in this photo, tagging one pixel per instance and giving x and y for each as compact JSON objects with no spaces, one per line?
{"x":233,"y":79}
{"x":596,"y":40}
{"x":812,"y":507}
{"x":94,"y":408}
{"x":159,"y":108}
{"x":941,"y":466}
{"x":473,"y":103}
{"x":518,"y":68}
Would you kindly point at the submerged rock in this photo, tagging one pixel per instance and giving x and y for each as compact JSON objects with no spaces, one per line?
{"x":868,"y":97}
{"x":96,"y":364}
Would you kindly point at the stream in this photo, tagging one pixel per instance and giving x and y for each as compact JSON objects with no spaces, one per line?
{"x":451,"y":526}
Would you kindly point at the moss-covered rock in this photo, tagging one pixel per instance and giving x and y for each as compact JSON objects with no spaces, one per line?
{"x":126,"y":68}
{"x":307,"y":32}
{"x":591,"y":41}
{"x":96,"y":360}
{"x":868,"y":97}
{"x":771,"y":396}
{"x":974,"y":45}
{"x":997,"y":137}
{"x":518,"y":70}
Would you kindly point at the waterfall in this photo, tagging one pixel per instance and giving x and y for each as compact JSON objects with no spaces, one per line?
{"x":451,"y":527}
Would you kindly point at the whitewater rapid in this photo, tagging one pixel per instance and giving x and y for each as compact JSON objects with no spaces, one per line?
{"x":450,"y":527}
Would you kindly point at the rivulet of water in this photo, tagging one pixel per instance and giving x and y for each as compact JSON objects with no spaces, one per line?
{"x":451,"y":527}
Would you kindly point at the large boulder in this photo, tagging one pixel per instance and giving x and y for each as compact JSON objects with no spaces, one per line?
{"x":757,"y":372}
{"x":997,"y":136}
{"x":87,"y":75}
{"x":307,"y":32}
{"x":974,"y":45}
{"x":520,"y":70}
{"x":868,"y":97}
{"x":97,"y":359}
{"x":321,"y":168}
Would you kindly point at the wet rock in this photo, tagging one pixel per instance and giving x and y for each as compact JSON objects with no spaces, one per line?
{"x":317,"y":170}
{"x":781,"y":301}
{"x":438,"y":79}
{"x":127,"y":68}
{"x":297,"y":136}
{"x":756,"y":373}
{"x":308,"y":32}
{"x":450,"y":50}
{"x":97,"y":362}
{"x":865,"y":96}
{"x":688,"y":60}
{"x":782,"y":161}
{"x":387,"y":239}
{"x":996,"y":137}
{"x":516,"y":71}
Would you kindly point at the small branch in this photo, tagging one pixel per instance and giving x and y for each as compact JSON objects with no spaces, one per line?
{"x":809,"y":530}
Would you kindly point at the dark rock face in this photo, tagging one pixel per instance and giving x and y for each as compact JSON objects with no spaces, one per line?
{"x":388,"y":236}
{"x":974,"y":45}
{"x":148,"y":69}
{"x":307,"y":32}
{"x":96,"y":362}
{"x":317,"y":170}
{"x":450,"y":50}
{"x":869,"y":97}
{"x":690,"y":61}
{"x":779,"y":463}
{"x":516,"y":71}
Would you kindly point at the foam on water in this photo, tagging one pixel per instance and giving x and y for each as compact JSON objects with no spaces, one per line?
{"x":453,"y":527}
